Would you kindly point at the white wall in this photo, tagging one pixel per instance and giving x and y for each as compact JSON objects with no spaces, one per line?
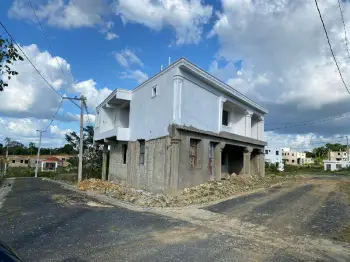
{"x":150,"y":117}
{"x":272,"y":157}
{"x":199,"y":107}
{"x":254,"y":129}
{"x":107,"y":117}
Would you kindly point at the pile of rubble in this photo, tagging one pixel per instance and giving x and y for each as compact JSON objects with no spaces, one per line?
{"x":203,"y":193}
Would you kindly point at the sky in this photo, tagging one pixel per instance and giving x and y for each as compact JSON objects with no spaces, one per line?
{"x":273,"y":51}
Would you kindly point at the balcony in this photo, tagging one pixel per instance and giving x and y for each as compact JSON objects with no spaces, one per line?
{"x":117,"y":133}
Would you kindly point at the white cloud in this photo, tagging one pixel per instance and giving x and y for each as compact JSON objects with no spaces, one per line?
{"x":186,"y":17}
{"x":94,"y":96}
{"x":137,"y":75}
{"x":302,"y":142}
{"x":27,"y":94}
{"x":287,"y":65}
{"x":24,"y":131}
{"x":71,"y":14}
{"x":111,"y":36}
{"x":126,"y":58}
{"x":67,"y":14}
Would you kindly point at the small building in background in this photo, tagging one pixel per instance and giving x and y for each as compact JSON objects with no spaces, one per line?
{"x":293,"y":157}
{"x":30,"y":160}
{"x":274,"y":156}
{"x":50,"y":164}
{"x":309,"y":161}
{"x":334,"y":165}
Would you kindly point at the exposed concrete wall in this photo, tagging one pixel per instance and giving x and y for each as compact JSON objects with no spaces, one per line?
{"x":191,"y":176}
{"x":117,"y":169}
{"x":153,"y":175}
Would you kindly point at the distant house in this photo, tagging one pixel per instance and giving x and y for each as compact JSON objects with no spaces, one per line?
{"x":309,"y":161}
{"x":334,"y":165}
{"x":274,"y":156}
{"x":50,"y":164}
{"x":180,"y":128}
{"x":30,"y":160}
{"x":291,"y":157}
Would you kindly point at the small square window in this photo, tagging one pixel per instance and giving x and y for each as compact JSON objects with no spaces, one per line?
{"x":25,"y":161}
{"x":154,"y":91}
{"x":277,"y":153}
{"x":13,"y":161}
{"x":21,"y":161}
{"x":266,"y":151}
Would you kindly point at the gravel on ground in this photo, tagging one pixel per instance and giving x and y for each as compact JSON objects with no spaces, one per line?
{"x":203,"y":193}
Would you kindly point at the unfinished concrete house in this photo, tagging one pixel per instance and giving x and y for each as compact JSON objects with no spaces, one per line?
{"x":180,"y":128}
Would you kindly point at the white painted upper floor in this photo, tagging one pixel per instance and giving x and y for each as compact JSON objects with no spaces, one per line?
{"x":181,"y":94}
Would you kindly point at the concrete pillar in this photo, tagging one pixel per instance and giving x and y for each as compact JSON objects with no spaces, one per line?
{"x":246,"y":160}
{"x":262,"y":163}
{"x":217,"y":156}
{"x":174,"y":163}
{"x":104,"y":161}
{"x":261,"y":126}
{"x":248,"y":123}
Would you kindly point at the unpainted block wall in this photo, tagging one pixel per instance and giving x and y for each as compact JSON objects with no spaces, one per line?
{"x":189,"y":176}
{"x":117,"y":169}
{"x":153,"y":175}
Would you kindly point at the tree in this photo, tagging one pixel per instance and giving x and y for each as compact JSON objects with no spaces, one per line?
{"x":32,"y":148}
{"x":8,"y":54}
{"x":92,"y":156}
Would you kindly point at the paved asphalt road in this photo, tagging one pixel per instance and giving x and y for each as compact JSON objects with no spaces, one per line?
{"x":44,"y":222}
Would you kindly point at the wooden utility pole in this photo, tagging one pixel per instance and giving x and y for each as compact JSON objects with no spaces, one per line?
{"x":81,"y":140}
{"x":38,"y":156}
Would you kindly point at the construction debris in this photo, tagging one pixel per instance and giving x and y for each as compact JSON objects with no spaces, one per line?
{"x":214,"y":190}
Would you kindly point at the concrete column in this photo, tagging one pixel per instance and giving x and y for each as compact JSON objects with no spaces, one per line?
{"x":217,"y":156}
{"x":248,"y":123}
{"x":104,"y":161}
{"x":261,"y":162}
{"x":177,"y":99}
{"x":174,"y":163}
{"x":246,"y":160}
{"x":261,"y":126}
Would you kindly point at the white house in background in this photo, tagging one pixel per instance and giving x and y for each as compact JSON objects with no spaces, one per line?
{"x":291,"y":157}
{"x":274,"y":156}
{"x":180,"y":128}
{"x":333,"y":165}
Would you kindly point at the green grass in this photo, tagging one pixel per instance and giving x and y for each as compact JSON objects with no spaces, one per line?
{"x":62,"y":173}
{"x":344,"y":235}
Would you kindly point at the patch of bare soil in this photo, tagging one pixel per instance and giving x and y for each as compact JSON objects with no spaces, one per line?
{"x":344,"y":235}
{"x":211,"y":191}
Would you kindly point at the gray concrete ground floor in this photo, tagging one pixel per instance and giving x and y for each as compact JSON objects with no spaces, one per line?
{"x":295,"y":222}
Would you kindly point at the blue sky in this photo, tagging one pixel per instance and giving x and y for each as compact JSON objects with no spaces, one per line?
{"x":272,"y":51}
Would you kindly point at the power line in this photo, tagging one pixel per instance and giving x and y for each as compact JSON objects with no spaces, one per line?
{"x":345,"y":35}
{"x":47,"y":39}
{"x":54,"y":116}
{"x":330,"y":47}
{"x":36,"y":69}
{"x":346,"y":114}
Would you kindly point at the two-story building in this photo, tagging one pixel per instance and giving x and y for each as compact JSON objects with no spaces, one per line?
{"x":274,"y":156}
{"x":291,"y":157}
{"x":180,"y":128}
{"x":338,"y":156}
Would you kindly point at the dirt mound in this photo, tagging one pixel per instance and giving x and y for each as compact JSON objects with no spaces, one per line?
{"x":203,"y":193}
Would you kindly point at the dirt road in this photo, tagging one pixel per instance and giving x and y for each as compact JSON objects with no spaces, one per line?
{"x":294,"y":222}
